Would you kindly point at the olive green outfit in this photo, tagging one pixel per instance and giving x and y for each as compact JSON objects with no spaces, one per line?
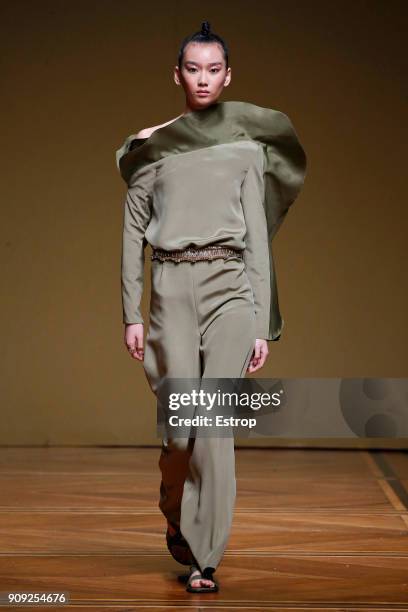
{"x":224,"y":175}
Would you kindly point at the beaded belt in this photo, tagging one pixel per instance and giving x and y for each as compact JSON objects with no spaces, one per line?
{"x":211,"y":251}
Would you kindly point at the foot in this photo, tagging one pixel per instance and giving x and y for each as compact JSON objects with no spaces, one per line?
{"x":199,"y":581}
{"x":196,"y":579}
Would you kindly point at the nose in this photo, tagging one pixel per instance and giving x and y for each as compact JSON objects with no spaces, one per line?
{"x":202,"y":82}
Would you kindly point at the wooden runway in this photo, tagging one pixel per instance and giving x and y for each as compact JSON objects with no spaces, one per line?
{"x":313,"y":530}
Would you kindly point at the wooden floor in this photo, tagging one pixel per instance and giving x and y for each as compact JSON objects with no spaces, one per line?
{"x":313,"y":530}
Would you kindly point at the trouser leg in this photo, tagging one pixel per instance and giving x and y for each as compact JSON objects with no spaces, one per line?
{"x":172,"y":349}
{"x":227,"y":321}
{"x":202,"y":324}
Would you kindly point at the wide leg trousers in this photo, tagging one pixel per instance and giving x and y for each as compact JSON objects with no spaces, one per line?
{"x":201,"y":325}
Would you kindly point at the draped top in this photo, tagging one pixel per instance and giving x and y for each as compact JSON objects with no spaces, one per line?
{"x":226,"y":175}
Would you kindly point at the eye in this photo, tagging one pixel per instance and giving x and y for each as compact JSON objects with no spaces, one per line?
{"x":213,"y":70}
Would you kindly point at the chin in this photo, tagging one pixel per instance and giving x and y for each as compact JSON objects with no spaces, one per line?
{"x":204,"y":101}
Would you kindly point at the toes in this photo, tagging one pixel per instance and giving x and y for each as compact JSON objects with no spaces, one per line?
{"x":200,"y":582}
{"x":207,"y":582}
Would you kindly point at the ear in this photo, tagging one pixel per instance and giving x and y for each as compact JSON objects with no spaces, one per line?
{"x":176,"y":75}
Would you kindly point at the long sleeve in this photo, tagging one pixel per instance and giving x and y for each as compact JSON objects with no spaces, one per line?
{"x":136,"y":217}
{"x":256,"y":253}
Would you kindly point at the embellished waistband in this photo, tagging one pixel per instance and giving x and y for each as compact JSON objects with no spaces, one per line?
{"x":211,"y":251}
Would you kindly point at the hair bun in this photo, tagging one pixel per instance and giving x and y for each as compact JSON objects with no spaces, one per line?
{"x":204,"y":35}
{"x":205,"y":27}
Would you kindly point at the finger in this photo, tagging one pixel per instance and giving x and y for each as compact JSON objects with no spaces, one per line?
{"x":263,"y":358}
{"x":132,"y":348}
{"x":139,"y":348}
{"x":135,"y":351}
{"x":252,"y":366}
{"x":253,"y":358}
{"x":257,"y":351}
{"x":139,"y":356}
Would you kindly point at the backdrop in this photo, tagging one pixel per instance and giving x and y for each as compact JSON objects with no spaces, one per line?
{"x":77,"y":78}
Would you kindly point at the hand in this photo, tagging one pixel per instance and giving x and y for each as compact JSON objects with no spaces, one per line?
{"x":134,"y":340}
{"x":259,"y":355}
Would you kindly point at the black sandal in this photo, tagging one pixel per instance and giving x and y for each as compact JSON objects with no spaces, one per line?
{"x":207,"y":574}
{"x":179,"y":548}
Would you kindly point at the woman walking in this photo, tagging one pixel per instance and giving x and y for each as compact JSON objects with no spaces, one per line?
{"x":207,"y":190}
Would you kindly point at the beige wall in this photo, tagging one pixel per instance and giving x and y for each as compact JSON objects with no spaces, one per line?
{"x":77,"y":78}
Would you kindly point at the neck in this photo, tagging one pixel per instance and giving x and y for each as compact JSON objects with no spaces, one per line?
{"x":189,"y":109}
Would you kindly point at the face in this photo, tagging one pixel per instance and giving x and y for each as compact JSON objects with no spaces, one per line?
{"x":203,"y":68}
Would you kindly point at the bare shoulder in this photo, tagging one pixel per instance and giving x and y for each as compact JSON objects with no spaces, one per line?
{"x":146,"y":132}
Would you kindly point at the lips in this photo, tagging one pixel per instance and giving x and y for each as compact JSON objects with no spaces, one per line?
{"x":202,"y":91}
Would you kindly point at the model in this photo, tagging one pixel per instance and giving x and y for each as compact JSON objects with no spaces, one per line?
{"x":208,"y":191}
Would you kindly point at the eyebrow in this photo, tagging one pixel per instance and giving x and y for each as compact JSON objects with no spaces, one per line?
{"x":210,"y":64}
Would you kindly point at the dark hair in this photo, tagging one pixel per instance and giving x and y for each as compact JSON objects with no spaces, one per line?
{"x":203,"y":36}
